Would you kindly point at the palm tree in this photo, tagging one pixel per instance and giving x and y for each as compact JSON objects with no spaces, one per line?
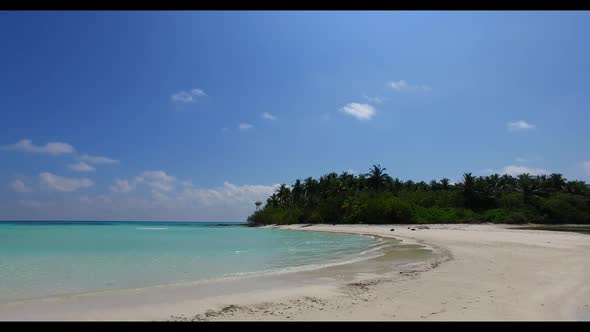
{"x":544,"y":182}
{"x":310,"y":186}
{"x":297,"y":192}
{"x":283,"y":194}
{"x":409,"y":185}
{"x":434,"y":185}
{"x":444,"y":183}
{"x":361,"y":182}
{"x":556,"y":182}
{"x":507,"y":182}
{"x":492,"y":186}
{"x":377,"y":177}
{"x":422,"y":186}
{"x":494,"y":179}
{"x":468,"y":182}
{"x":397,"y":185}
{"x":528,"y":187}
{"x":576,"y":187}
{"x":348,"y":181}
{"x":272,"y":200}
{"x":468,"y":190}
{"x":258,"y":203}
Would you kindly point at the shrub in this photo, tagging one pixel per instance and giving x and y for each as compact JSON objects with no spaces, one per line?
{"x":496,"y":215}
{"x":441,"y":215}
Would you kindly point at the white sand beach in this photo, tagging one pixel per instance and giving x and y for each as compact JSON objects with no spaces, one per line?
{"x":477,"y":272}
{"x":492,"y":273}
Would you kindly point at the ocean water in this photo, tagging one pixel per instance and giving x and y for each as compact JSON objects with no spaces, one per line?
{"x":43,"y":259}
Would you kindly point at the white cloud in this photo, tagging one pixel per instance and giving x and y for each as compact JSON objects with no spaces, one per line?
{"x":164,"y":197}
{"x":167,"y":188}
{"x":514,"y":170}
{"x":198,"y":93}
{"x":59,"y":183}
{"x":122,"y":186}
{"x":586,"y":166}
{"x":268,"y":116}
{"x":486,"y":171}
{"x":521,"y":159}
{"x":53,"y":148}
{"x":359,"y":111}
{"x":159,"y":196}
{"x":157,"y":180}
{"x":227,"y":194}
{"x":517,"y":170}
{"x":245,"y":126}
{"x":376,"y":100}
{"x":95,"y":160}
{"x":19,"y":186}
{"x":519,"y":125}
{"x":188,"y":96}
{"x":81,"y":167}
{"x":403,"y":86}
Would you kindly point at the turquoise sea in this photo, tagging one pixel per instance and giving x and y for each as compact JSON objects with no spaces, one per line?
{"x":43,"y":259}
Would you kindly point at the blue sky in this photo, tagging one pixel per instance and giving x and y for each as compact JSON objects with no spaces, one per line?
{"x":198,"y":114}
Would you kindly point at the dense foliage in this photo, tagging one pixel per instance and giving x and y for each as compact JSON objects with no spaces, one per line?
{"x":377,"y":198}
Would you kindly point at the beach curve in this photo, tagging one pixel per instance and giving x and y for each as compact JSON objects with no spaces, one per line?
{"x":496,"y":273}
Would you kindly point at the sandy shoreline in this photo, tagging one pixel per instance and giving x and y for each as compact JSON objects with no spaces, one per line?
{"x":477,"y":272}
{"x":496,"y":273}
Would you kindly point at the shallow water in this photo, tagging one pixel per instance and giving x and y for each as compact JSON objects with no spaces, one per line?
{"x":41,"y":259}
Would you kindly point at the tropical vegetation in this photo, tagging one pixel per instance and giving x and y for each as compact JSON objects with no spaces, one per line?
{"x":377,"y":198}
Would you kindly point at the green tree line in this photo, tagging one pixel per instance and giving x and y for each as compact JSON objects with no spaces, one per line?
{"x":377,"y":198}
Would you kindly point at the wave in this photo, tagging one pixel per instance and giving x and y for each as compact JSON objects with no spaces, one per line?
{"x":370,"y":253}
